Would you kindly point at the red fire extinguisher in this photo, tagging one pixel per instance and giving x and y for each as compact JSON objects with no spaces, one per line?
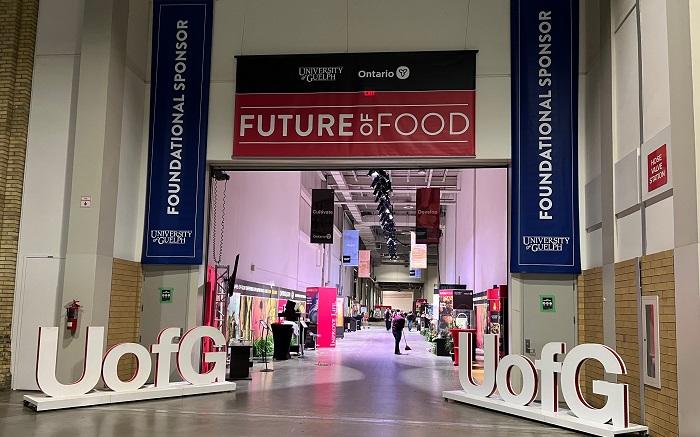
{"x":72,"y":310}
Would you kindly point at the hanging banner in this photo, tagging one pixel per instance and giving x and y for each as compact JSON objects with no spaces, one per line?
{"x":181,"y":47}
{"x":428,"y":215}
{"x":544,"y":211}
{"x":363,"y":270}
{"x":322,"y":204}
{"x":355,"y":104}
{"x":351,"y":247}
{"x":419,"y":256}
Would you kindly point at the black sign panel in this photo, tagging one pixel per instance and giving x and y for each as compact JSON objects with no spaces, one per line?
{"x":322,"y":205}
{"x":463,"y":299}
{"x":344,"y":72}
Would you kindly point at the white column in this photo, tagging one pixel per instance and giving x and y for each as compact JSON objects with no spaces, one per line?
{"x":95,"y":171}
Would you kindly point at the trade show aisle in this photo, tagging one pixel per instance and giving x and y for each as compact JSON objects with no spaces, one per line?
{"x":359,"y":388}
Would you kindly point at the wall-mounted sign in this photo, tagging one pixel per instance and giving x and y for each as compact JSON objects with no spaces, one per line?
{"x":547,"y":304}
{"x":428,"y":215}
{"x":657,"y":177}
{"x":651,"y":345}
{"x":351,"y":247}
{"x":166,"y":295}
{"x":552,"y":372}
{"x":181,"y":47}
{"x":364,"y":268}
{"x":415,"y":273}
{"x":355,"y":104}
{"x":322,"y":206}
{"x":96,"y":366}
{"x":544,"y":210}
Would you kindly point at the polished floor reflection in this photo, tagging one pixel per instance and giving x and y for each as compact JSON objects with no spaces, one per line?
{"x":360,"y":388}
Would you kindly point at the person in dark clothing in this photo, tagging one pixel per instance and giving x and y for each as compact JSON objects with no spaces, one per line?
{"x":411,"y":317}
{"x":387,"y":319}
{"x":397,"y":325}
{"x":290,"y":312}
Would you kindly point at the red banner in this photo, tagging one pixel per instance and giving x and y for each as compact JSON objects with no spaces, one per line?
{"x":428,"y":215}
{"x":376,"y":123}
{"x":322,"y":308}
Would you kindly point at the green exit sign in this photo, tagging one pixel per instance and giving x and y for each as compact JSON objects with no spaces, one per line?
{"x":166,"y":295}
{"x":547,"y":304}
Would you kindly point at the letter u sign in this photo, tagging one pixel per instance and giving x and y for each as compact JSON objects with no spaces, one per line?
{"x":95,"y":366}
{"x":544,"y":376}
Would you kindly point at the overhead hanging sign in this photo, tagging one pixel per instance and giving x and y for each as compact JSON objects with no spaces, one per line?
{"x":355,"y":104}
{"x":322,"y":205}
{"x":181,"y":47}
{"x":428,"y":215}
{"x":364,"y":270}
{"x":351,"y":247}
{"x":418,"y":256}
{"x":544,"y":211}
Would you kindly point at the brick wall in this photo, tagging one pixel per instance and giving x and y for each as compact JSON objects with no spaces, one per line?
{"x":626,"y":330}
{"x":125,"y":310}
{"x":590,"y":328}
{"x":18,"y":20}
{"x":661,"y":405}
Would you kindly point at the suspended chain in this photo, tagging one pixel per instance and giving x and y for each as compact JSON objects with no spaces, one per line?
{"x":213,"y":220}
{"x":223,"y":216}
{"x":217,"y":255}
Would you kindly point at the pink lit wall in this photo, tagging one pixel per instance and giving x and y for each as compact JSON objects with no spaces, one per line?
{"x":480,"y":230}
{"x":264,"y":213}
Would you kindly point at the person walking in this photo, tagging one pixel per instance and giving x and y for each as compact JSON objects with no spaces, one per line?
{"x":411,"y":317}
{"x":397,"y":325}
{"x":387,"y":319}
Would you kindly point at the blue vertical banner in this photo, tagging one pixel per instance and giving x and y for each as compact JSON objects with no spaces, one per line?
{"x":351,"y":247}
{"x":181,"y":58}
{"x":544,"y":209}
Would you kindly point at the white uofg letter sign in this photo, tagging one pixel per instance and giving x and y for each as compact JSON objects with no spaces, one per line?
{"x":96,"y":366}
{"x":544,"y":376}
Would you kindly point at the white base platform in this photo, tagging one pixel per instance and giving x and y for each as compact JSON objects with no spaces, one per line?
{"x":563,"y":418}
{"x":99,"y":397}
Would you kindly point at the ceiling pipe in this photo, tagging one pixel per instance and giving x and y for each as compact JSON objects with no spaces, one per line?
{"x":395,"y":189}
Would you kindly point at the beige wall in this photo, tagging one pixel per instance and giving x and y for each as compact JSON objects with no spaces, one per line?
{"x":18,"y":23}
{"x":125,"y":311}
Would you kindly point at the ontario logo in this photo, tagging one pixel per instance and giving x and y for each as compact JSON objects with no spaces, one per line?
{"x":170,"y":236}
{"x":545,"y":244}
{"x":319,"y":74}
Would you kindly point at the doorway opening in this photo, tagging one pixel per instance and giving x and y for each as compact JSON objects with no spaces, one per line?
{"x":261,"y":228}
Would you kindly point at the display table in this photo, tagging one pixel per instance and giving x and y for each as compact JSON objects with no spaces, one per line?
{"x":282,"y":338}
{"x":455,"y":343}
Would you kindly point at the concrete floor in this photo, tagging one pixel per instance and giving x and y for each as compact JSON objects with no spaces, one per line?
{"x":358,"y":389}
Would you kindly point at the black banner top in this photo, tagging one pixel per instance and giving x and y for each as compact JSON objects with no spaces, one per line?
{"x":339,"y":72}
{"x":322,"y":206}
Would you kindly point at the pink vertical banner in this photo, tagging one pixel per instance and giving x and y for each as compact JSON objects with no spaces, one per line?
{"x":363,"y":270}
{"x":323,"y":311}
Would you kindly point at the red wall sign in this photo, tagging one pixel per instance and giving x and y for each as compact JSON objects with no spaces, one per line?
{"x":657,"y":175}
{"x":356,"y":104}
